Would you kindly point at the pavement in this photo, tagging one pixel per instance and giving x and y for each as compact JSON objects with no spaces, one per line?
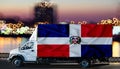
{"x":5,"y":65}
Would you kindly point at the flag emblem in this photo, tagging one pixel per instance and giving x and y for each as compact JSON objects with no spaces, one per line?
{"x":75,"y":40}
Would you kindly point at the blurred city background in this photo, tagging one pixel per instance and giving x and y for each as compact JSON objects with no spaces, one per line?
{"x":18,"y":18}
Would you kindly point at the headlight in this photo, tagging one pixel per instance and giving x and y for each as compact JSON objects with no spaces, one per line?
{"x":11,"y":55}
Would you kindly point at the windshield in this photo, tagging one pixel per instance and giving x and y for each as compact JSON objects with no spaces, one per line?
{"x":28,"y":45}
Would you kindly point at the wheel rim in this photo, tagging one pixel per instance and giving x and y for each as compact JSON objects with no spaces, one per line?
{"x":85,"y":63}
{"x":17,"y":62}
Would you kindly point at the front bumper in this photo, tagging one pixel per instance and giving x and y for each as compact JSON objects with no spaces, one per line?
{"x":9,"y":59}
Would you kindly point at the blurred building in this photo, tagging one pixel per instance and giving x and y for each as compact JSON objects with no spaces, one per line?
{"x":45,"y":12}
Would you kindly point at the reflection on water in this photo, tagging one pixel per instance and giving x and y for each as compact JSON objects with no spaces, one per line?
{"x":116,"y":49}
{"x":9,"y":43}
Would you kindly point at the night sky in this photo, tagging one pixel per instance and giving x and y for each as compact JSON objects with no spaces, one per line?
{"x":77,"y":10}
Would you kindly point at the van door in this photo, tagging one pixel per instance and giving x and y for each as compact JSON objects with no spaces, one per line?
{"x":29,"y":51}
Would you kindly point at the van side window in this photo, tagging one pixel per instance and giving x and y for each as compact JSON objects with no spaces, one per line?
{"x":28,"y":46}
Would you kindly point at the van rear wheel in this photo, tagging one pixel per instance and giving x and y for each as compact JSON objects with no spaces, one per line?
{"x":85,"y":63}
{"x":17,"y":62}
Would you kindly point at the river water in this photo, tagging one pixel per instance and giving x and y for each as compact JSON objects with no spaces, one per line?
{"x":9,"y":43}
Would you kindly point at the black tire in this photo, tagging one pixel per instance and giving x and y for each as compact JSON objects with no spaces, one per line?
{"x":17,"y":62}
{"x":85,"y":63}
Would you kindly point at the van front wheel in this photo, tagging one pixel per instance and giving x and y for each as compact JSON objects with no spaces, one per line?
{"x":17,"y":62}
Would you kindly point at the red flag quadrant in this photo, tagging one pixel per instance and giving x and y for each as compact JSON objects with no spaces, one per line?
{"x":53,"y":51}
{"x":92,"y":30}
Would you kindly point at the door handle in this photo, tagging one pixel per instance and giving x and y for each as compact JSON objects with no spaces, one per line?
{"x":32,"y":50}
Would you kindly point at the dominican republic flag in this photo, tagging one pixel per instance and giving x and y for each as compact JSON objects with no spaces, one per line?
{"x":74,"y":40}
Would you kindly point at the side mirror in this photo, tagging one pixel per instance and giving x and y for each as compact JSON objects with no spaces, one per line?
{"x":19,"y":44}
{"x":19,"y":47}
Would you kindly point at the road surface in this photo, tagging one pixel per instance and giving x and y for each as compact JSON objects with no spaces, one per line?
{"x":5,"y":65}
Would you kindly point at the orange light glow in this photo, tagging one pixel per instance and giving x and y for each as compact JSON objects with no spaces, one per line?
{"x":116,"y":49}
{"x":9,"y":43}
